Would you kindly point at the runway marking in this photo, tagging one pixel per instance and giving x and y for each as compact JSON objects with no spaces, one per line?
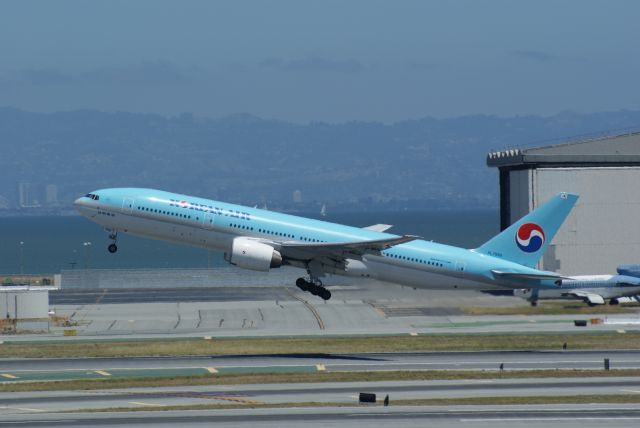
{"x":9,"y":376}
{"x":212,"y":370}
{"x":238,"y":400}
{"x":99,"y":299}
{"x":102,"y":372}
{"x":310,"y":307}
{"x":24,"y":409}
{"x":141,"y":403}
{"x":630,"y":390}
{"x":321,"y":367}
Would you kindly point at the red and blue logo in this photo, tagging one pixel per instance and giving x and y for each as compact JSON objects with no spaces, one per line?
{"x":530,"y":237}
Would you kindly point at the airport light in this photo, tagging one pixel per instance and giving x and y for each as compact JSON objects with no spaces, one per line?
{"x":21,"y":257}
{"x":87,"y":253}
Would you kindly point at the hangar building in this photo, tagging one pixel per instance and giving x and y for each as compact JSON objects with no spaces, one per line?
{"x":603,"y":230}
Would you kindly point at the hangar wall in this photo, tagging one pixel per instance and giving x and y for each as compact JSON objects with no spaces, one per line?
{"x":602,"y":230}
{"x":24,"y":302}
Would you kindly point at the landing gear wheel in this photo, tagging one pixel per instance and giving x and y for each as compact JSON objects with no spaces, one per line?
{"x":316,"y":289}
{"x":302,"y":284}
{"x":325,"y":294}
{"x":112,"y":248}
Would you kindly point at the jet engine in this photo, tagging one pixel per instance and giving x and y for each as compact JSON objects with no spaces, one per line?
{"x":249,"y":254}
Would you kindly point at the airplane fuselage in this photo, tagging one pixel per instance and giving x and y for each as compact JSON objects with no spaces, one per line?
{"x":215,"y":225}
{"x":604,"y":287}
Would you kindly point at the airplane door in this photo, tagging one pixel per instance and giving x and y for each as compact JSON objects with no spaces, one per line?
{"x":127,"y":205}
{"x":207,"y":221}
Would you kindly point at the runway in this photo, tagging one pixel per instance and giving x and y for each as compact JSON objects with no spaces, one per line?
{"x":569,"y":416}
{"x":323,"y":392}
{"x":95,"y":368}
{"x":261,"y":311}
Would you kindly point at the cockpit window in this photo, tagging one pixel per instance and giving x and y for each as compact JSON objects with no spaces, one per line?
{"x":93,"y":196}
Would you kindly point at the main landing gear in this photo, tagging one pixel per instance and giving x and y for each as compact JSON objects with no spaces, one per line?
{"x":113,"y":247}
{"x":314,"y":288}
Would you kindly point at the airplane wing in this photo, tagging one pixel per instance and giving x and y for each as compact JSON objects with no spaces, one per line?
{"x":378,"y":227}
{"x":340,"y":250}
{"x":590,"y":298}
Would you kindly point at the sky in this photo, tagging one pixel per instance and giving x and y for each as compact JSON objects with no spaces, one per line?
{"x":331,"y":61}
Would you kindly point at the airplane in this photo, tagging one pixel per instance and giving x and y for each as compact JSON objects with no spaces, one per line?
{"x":261,"y":240}
{"x":592,"y":289}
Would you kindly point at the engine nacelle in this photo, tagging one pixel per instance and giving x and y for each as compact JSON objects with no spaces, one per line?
{"x":249,"y":254}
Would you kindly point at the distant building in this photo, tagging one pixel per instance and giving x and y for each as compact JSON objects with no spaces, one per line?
{"x":602,"y":231}
{"x":51,"y":194}
{"x":24,"y":194}
{"x":297,"y":196}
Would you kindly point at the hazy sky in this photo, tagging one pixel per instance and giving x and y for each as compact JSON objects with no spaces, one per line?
{"x":321,"y":60}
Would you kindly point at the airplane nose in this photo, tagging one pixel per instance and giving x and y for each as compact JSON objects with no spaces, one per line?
{"x":81,"y":204}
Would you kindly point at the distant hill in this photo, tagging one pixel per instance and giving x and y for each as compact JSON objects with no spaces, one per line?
{"x":426,"y":163}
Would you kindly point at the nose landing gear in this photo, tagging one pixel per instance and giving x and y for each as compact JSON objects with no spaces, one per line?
{"x":314,"y":288}
{"x":113,"y":247}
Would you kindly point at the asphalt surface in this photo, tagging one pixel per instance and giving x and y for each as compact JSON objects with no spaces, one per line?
{"x":160,"y":295}
{"x":490,"y":416}
{"x":510,"y":360}
{"x":145,"y":367}
{"x":249,"y":311}
{"x":329,"y":392}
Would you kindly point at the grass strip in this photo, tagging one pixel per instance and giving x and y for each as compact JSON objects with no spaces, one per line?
{"x":324,"y":345}
{"x":477,"y":401}
{"x":243,"y":379}
{"x":552,"y":308}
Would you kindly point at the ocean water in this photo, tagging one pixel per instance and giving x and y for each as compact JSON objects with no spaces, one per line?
{"x":51,"y":244}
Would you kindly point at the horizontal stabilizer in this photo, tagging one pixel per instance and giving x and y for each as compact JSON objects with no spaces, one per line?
{"x":378,"y":227}
{"x":536,"y":276}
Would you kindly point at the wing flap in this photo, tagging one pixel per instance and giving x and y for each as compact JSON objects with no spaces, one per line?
{"x":378,"y":227}
{"x":535,"y":276}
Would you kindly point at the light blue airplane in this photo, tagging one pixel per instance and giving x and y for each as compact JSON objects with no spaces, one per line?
{"x":260,"y":240}
{"x":592,"y":289}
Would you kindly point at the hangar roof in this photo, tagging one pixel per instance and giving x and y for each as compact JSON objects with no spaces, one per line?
{"x":608,"y":151}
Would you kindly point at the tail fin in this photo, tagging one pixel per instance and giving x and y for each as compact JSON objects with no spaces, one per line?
{"x":526,"y":240}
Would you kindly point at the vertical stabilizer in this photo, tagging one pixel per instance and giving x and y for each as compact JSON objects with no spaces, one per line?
{"x":526,"y":240}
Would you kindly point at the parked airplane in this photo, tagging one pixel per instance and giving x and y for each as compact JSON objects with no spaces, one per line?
{"x":592,"y":289}
{"x":261,"y":240}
